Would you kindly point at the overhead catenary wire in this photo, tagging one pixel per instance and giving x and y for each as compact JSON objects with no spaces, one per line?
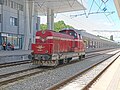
{"x":104,"y":12}
{"x":80,"y":22}
{"x":91,"y":7}
{"x":81,"y":13}
{"x":97,"y":12}
{"x":100,"y":7}
{"x":104,"y":1}
{"x":111,"y":14}
{"x":41,"y":5}
{"x":84,"y":10}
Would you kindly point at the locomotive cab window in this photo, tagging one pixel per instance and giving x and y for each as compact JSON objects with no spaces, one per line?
{"x":62,"y":32}
{"x":71,"y":33}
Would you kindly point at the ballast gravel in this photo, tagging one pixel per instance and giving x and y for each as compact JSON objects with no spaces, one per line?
{"x":16,"y":68}
{"x":45,"y":80}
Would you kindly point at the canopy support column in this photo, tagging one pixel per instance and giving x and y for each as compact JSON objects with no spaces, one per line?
{"x":50,"y":19}
{"x":28,"y":28}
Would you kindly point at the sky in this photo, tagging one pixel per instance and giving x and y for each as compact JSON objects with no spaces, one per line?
{"x":93,"y":23}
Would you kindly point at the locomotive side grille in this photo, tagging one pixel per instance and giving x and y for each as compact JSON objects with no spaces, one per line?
{"x":42,"y":57}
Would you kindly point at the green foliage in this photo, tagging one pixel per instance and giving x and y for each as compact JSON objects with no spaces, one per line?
{"x":57,"y":26}
{"x":43,"y":26}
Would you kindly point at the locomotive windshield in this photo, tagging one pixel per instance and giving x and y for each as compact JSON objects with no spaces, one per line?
{"x":70,"y":32}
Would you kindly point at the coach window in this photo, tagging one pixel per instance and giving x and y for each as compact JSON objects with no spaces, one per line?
{"x":80,"y":36}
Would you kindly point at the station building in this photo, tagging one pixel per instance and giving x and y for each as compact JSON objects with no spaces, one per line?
{"x":12,"y":22}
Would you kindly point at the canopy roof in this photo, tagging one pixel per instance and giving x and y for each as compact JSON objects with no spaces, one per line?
{"x":117,"y":4}
{"x":58,"y":6}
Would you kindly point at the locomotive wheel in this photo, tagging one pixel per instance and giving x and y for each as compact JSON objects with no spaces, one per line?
{"x":68,"y":60}
{"x":65,"y":61}
{"x":80,"y":57}
{"x":83,"y":56}
{"x":57,"y":63}
{"x":61,"y":62}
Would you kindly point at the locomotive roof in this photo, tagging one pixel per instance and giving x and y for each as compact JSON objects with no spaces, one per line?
{"x":54,"y":33}
{"x":85,"y":34}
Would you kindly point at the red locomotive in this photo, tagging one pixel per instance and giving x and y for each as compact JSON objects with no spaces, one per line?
{"x":52,"y":48}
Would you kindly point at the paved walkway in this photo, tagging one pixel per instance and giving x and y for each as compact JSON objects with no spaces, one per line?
{"x":110,"y":80}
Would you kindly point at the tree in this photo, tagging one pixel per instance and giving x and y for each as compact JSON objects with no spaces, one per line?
{"x":43,"y":26}
{"x":57,"y":26}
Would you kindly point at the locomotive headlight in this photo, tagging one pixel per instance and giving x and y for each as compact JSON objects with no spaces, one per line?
{"x":39,"y":57}
{"x":46,"y":51}
{"x":43,"y":57}
{"x":46,"y":57}
{"x":31,"y":56}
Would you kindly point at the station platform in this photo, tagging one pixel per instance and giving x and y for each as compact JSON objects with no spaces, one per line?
{"x":18,"y":55}
{"x":13,"y":56}
{"x":15,"y":52}
{"x":110,"y":80}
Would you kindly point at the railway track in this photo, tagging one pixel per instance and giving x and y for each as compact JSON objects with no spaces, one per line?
{"x":15,"y":76}
{"x":14,"y":63}
{"x":80,"y":77}
{"x":18,"y":75}
{"x":28,"y":61}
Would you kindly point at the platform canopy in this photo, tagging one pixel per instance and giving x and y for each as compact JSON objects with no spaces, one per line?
{"x":58,"y":6}
{"x":34,"y":8}
{"x":117,"y":4}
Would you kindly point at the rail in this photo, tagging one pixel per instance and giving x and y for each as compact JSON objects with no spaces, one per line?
{"x":63,"y":83}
